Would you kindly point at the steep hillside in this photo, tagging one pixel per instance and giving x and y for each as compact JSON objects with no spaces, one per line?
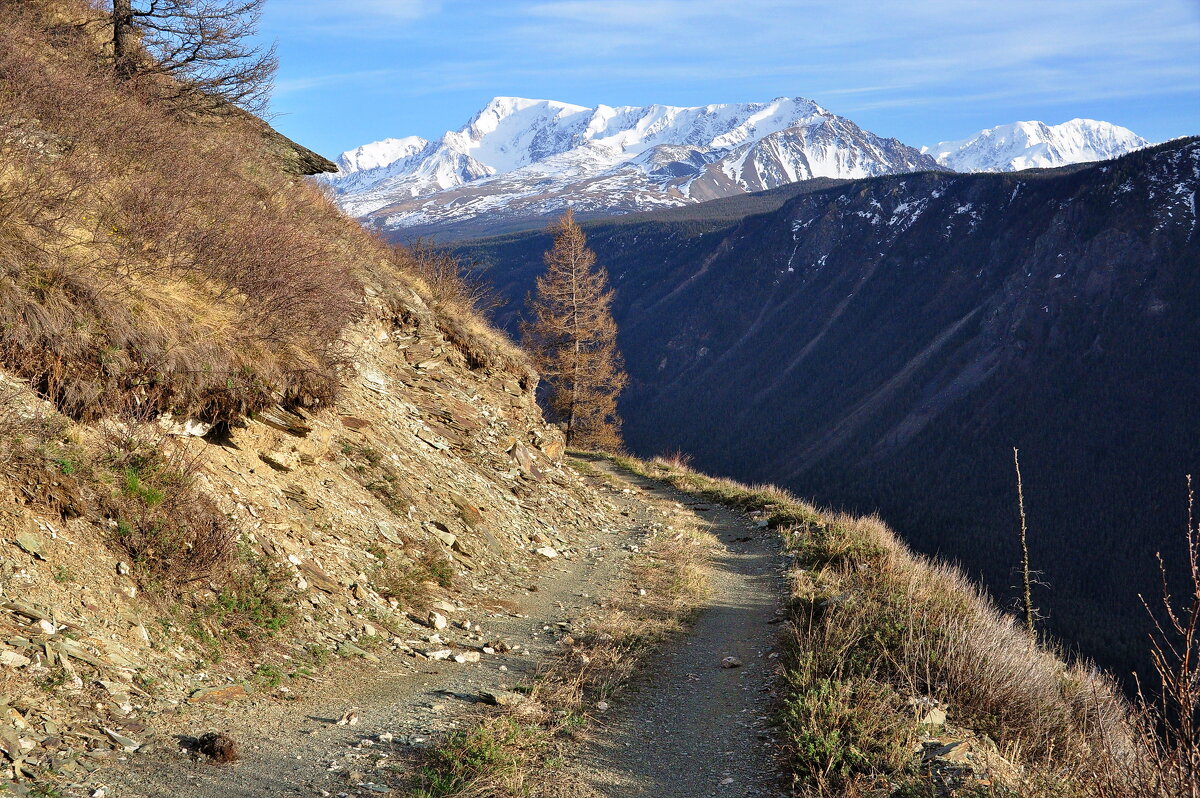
{"x":238,"y":436}
{"x":885,"y":343}
{"x":519,"y":159}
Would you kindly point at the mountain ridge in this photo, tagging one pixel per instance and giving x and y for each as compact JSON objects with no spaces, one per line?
{"x":1036,"y":145}
{"x":518,"y":160}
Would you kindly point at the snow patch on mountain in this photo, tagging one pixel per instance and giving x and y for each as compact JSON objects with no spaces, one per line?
{"x":1028,"y":145}
{"x":379,"y":154}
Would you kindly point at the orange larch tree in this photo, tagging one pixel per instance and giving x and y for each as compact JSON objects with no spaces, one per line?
{"x":572,"y":338}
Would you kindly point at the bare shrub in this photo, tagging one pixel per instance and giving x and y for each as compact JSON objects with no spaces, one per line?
{"x":1171,"y":719}
{"x":173,"y":533}
{"x":451,"y":281}
{"x":195,"y":50}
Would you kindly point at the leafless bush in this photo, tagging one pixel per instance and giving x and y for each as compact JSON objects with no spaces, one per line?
{"x":452,"y":282}
{"x":172,"y":532}
{"x":1172,"y":717}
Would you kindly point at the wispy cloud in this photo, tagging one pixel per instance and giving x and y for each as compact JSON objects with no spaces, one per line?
{"x":932,"y":49}
{"x":962,"y":58}
{"x":299,"y":84}
{"x":351,"y":17}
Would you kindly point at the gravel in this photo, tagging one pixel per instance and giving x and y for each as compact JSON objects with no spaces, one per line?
{"x":691,"y":727}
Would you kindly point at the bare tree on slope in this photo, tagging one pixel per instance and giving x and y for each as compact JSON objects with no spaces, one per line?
{"x":205,"y":47}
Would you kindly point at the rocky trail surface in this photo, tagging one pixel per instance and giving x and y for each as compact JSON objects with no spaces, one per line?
{"x":697,"y":724}
{"x":689,"y":727}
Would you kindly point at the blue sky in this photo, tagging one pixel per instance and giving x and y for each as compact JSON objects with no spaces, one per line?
{"x":355,"y":71}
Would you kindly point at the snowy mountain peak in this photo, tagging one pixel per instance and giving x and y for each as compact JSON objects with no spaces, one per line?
{"x":379,"y":154}
{"x":1027,"y":145}
{"x":529,"y":158}
{"x":519,"y":160}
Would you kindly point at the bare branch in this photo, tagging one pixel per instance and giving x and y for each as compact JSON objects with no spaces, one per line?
{"x":201,"y":50}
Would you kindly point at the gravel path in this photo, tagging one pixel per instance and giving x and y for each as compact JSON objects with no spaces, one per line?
{"x":688,"y":728}
{"x":295,"y":748}
{"x":691,"y":728}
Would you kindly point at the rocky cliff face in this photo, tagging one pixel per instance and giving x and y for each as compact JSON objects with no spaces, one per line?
{"x":883,"y":344}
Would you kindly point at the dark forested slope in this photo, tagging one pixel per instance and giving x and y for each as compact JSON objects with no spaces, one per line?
{"x":884,"y":343}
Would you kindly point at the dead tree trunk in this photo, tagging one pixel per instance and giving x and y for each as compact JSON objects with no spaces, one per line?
{"x":124,"y":38}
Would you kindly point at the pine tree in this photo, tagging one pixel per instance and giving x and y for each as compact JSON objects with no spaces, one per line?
{"x":573,"y":340}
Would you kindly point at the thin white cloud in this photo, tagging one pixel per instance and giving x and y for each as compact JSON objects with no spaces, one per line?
{"x":959,"y":57}
{"x":299,"y":84}
{"x":935,"y":48}
{"x":351,"y":17}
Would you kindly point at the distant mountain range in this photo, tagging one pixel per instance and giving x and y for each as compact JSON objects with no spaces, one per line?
{"x":518,"y":161}
{"x":883,"y":343}
{"x":1030,"y":145}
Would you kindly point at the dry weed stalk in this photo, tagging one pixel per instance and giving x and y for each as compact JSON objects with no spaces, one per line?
{"x":1175,"y":653}
{"x":1026,"y":592}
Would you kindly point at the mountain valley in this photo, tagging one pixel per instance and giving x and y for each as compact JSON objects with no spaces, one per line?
{"x":286,"y":509}
{"x":882,"y":344}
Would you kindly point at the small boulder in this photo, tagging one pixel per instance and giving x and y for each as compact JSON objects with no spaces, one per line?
{"x":731,"y":662}
{"x":218,"y":695}
{"x":501,"y":698}
{"x":32,"y":544}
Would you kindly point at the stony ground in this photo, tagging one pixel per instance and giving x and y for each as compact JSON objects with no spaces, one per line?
{"x":689,"y":727}
{"x":692,"y":727}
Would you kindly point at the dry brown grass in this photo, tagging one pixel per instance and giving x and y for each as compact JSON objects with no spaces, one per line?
{"x":461,"y":301}
{"x":151,"y":258}
{"x":163,"y":261}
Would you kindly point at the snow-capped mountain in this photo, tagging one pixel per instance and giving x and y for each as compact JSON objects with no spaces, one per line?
{"x":520,"y":159}
{"x":1028,"y":145}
